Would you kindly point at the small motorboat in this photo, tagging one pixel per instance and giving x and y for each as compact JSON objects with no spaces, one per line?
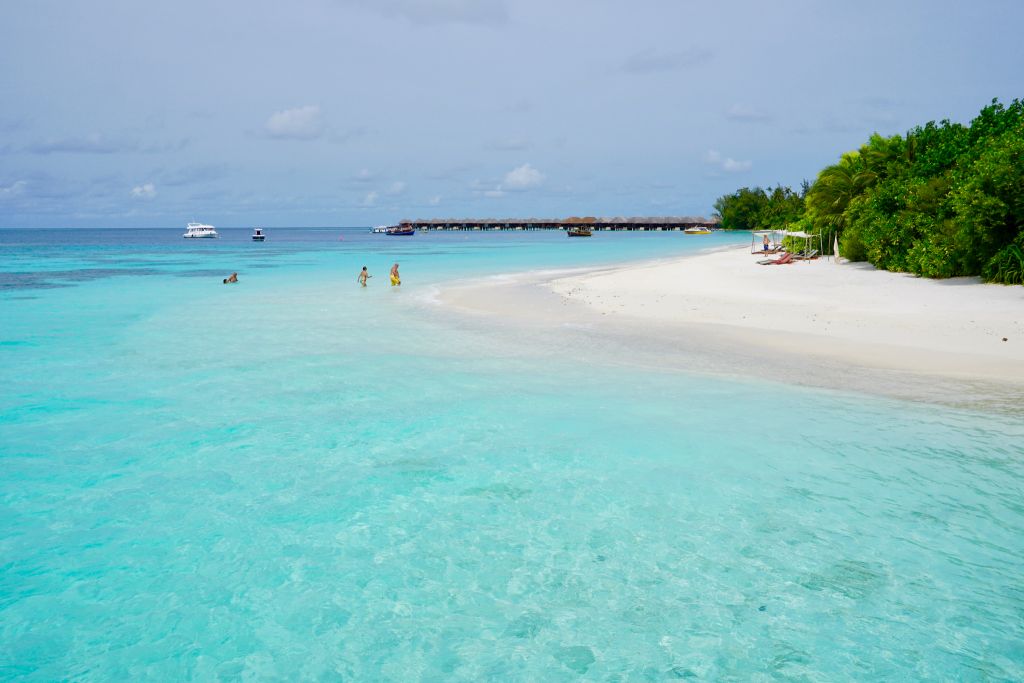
{"x":380,"y":229}
{"x":400,"y":232}
{"x":257,"y":235}
{"x":579,"y":232}
{"x":697,"y":231}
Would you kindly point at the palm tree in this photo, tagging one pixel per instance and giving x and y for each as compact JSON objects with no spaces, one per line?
{"x":880,"y":153}
{"x":836,"y":187}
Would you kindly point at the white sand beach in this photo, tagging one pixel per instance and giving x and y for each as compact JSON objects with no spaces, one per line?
{"x":817,"y":313}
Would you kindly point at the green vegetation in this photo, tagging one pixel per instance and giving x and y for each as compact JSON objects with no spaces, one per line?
{"x":760,"y":209}
{"x":942,"y":201}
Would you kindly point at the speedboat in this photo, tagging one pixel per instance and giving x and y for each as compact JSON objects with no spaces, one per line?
{"x":697,"y":231}
{"x":400,"y":232}
{"x":197,"y":230}
{"x":257,"y":235}
{"x":380,"y":229}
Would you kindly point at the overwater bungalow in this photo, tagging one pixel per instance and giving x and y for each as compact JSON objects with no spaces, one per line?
{"x":636,"y":223}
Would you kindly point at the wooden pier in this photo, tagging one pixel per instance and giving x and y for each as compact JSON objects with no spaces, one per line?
{"x":618,"y":223}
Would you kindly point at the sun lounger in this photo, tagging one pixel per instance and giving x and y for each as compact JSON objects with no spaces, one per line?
{"x":806,"y":255}
{"x":781,"y":261}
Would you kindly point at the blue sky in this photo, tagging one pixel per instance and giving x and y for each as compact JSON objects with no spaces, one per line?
{"x":359,"y":112}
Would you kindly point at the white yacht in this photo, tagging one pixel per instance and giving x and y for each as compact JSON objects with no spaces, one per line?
{"x":200,"y":230}
{"x":380,"y":229}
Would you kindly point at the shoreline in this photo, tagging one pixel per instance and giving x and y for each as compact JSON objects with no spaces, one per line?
{"x":845,"y":327}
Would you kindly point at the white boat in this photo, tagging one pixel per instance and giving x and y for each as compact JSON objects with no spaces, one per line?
{"x":380,"y":229}
{"x":697,"y":231}
{"x":196,"y":230}
{"x":257,"y":235}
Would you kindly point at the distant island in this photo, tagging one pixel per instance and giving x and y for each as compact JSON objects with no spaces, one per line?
{"x":944,"y":200}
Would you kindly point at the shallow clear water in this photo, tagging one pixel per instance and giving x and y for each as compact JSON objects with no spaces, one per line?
{"x":296,"y":478}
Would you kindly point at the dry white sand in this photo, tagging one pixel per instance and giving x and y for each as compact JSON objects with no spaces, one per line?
{"x":845,"y":326}
{"x":851,"y":311}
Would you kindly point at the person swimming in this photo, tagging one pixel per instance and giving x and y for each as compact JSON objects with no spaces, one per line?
{"x":396,"y":280}
{"x":231,"y":279}
{"x":363,"y":276}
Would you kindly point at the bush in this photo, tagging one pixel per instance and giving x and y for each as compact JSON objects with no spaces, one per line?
{"x":945,"y":200}
{"x":932,"y":257}
{"x":851,"y":247}
{"x":1007,"y":266}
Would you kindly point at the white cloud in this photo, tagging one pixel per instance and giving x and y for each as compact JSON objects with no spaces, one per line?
{"x":733,"y":166}
{"x":365,"y":175}
{"x":146,"y":191}
{"x":522,"y":178}
{"x":370,"y":199}
{"x":435,"y":200}
{"x":299,"y":123}
{"x":397,"y":187}
{"x":727,"y":164}
{"x":13,"y":190}
{"x":517,"y":180}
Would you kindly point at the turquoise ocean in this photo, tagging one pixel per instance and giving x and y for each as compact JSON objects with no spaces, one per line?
{"x":294,"y":478}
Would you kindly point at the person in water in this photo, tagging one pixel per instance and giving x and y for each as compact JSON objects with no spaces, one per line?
{"x":231,"y":279}
{"x":363,"y":276}
{"x":396,"y":281}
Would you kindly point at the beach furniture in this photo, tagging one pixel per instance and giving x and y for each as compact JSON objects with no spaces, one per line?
{"x":782,"y":260}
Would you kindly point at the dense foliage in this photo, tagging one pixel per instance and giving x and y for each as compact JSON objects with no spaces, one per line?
{"x":943,"y":200}
{"x":757,"y":208}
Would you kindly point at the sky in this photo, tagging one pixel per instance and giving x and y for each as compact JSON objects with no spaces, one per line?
{"x":365,"y":112}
